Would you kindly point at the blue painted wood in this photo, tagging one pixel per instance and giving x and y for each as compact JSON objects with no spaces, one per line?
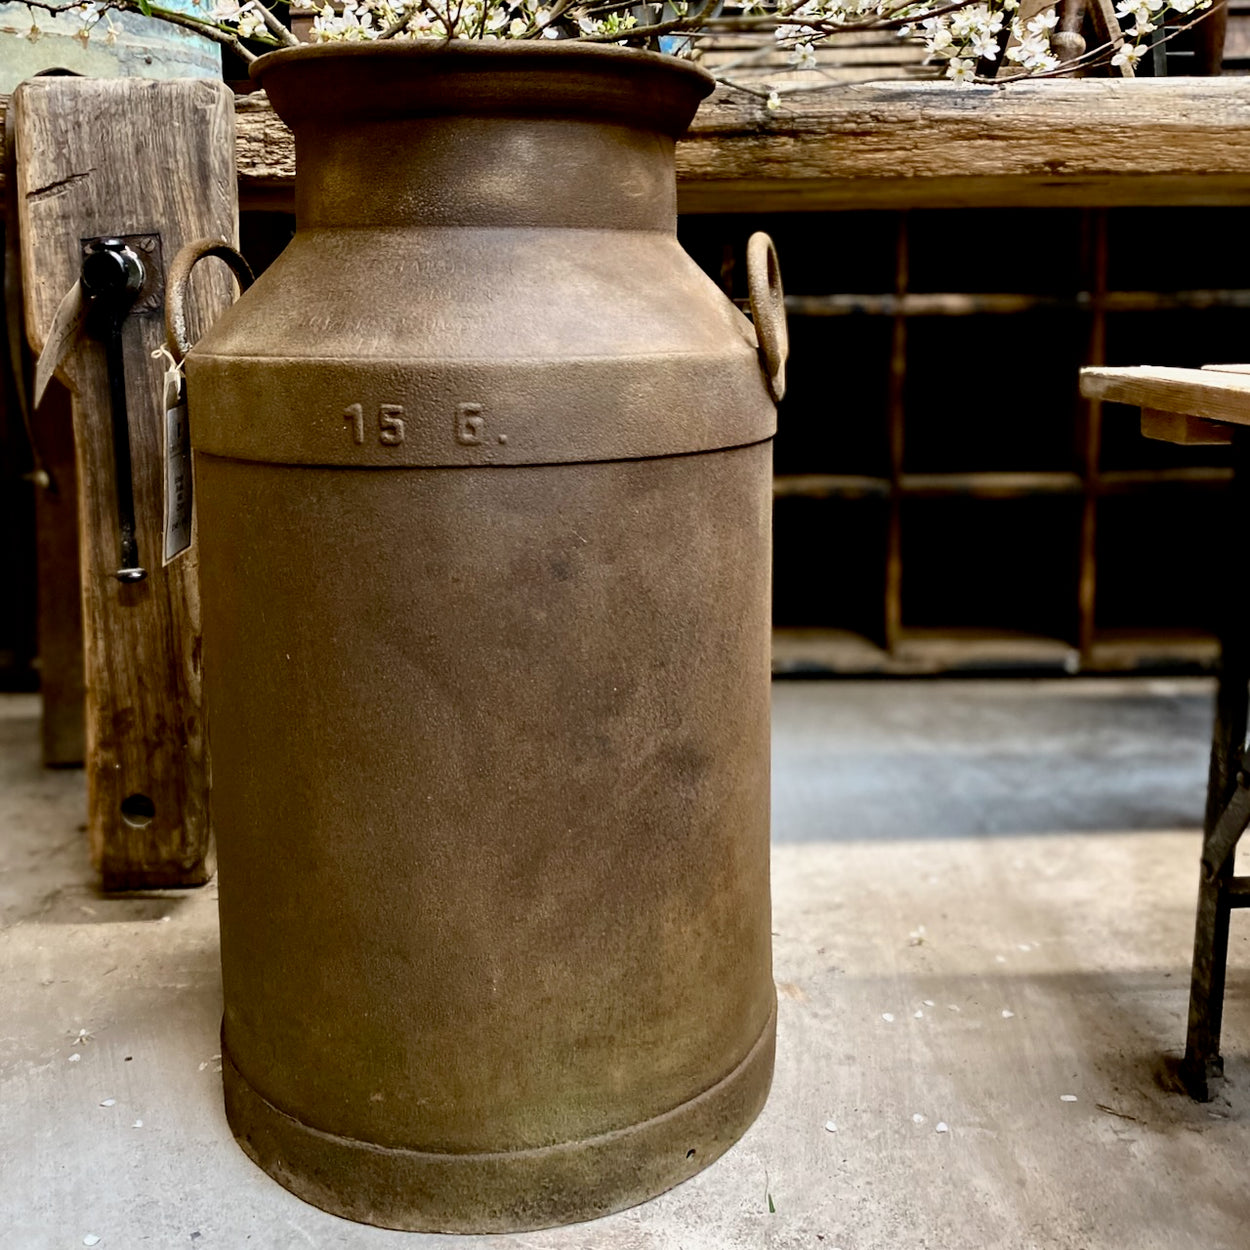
{"x":118,"y":44}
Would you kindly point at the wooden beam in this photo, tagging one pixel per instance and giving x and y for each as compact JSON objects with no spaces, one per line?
{"x":1080,"y":143}
{"x":63,"y":726}
{"x":151,"y":160}
{"x":1183,"y":430}
{"x":1088,"y":142}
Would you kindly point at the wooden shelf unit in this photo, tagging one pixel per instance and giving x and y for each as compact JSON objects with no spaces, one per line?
{"x":945,"y":500}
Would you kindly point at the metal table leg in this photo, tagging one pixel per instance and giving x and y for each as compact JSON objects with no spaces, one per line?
{"x":1227,"y":813}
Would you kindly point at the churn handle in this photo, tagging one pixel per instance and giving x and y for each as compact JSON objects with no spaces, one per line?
{"x":768,"y":310}
{"x":180,"y":275}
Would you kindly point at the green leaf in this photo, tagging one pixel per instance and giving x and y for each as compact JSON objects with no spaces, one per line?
{"x":145,"y":7}
{"x":772,"y":1210}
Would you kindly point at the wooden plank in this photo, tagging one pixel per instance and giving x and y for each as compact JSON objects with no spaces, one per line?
{"x":1007,"y":303}
{"x":896,"y":418}
{"x":1062,"y":143}
{"x":1182,"y":429}
{"x":918,"y":652}
{"x":1127,"y":650}
{"x":1087,"y":142}
{"x":1094,"y":141}
{"x":804,"y":652}
{"x":63,"y":725}
{"x":1181,"y":477}
{"x":1000,"y":485}
{"x":990,"y":485}
{"x":130,"y":157}
{"x":264,"y":155}
{"x":1094,"y":252}
{"x":830,"y":486}
{"x":1213,"y":395}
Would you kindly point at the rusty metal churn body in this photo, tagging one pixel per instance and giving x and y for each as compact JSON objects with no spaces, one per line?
{"x":483,"y":476}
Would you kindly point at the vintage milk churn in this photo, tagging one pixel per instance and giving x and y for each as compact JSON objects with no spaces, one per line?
{"x":484,"y":485}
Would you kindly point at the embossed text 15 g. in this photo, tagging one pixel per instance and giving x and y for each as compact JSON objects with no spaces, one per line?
{"x":390,"y":424}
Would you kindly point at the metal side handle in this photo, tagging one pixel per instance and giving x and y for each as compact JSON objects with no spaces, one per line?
{"x":768,"y":311}
{"x":179,"y":278}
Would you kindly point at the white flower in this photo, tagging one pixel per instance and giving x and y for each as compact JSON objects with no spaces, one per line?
{"x":773,"y":103}
{"x":985,"y":46}
{"x":1128,"y":55}
{"x":802,"y":56}
{"x":993,"y":23}
{"x":250,"y":25}
{"x":961,"y":69}
{"x":1030,"y":49}
{"x":961,"y":24}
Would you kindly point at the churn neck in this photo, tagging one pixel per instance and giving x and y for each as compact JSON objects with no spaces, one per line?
{"x":467,"y":133}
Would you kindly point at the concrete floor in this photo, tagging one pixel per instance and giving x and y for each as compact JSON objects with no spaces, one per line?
{"x":983,"y":911}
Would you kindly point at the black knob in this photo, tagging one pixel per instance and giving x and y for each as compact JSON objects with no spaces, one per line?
{"x":112,"y":272}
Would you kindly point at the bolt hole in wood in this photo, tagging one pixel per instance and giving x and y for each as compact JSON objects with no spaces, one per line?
{"x":138,"y":809}
{"x":689,"y":1154}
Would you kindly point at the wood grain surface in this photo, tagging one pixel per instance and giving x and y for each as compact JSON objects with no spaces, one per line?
{"x":1209,"y":394}
{"x":128,"y":157}
{"x":1084,"y":142}
{"x":63,"y":729}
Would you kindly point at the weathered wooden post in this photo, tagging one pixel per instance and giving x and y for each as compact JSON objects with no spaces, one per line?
{"x":151,"y":166}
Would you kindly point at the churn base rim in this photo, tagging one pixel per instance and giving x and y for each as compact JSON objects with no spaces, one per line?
{"x":509,"y":1191}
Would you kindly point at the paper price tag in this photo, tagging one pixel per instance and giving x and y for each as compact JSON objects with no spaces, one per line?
{"x":177,"y":482}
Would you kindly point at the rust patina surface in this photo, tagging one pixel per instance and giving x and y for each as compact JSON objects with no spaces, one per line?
{"x":483,"y":471}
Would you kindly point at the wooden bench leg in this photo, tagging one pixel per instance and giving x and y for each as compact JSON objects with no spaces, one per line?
{"x":1227,"y":815}
{"x":1216,"y":892}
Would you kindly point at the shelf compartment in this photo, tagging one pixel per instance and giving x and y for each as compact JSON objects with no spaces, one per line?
{"x":1002,"y":565}
{"x":829,"y":563}
{"x":1161,"y":568}
{"x":993,"y":394}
